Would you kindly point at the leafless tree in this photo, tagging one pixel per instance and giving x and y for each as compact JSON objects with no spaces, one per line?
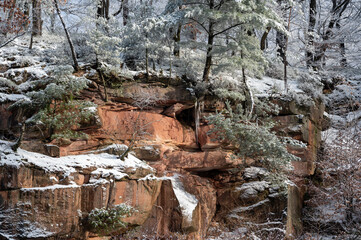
{"x":143,"y":99}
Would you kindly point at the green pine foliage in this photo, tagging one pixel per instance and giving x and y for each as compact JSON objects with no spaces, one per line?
{"x":252,"y":138}
{"x":59,"y":112}
{"x":227,"y":31}
{"x":63,"y":118}
{"x":106,"y":221}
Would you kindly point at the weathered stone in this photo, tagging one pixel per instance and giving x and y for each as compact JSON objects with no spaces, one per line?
{"x":205,"y":193}
{"x":5,"y":119}
{"x":78,"y":147}
{"x":42,"y":212}
{"x":294,"y":212}
{"x":12,"y":177}
{"x":175,"y":109}
{"x":52,"y":150}
{"x":249,"y":192}
{"x":166,"y":96}
{"x":139,"y":194}
{"x":199,"y":161}
{"x":254,"y":173}
{"x":94,"y":196}
{"x":148,"y":153}
{"x":121,"y":126}
{"x":303,"y":168}
{"x":3,"y":68}
{"x":207,"y":141}
{"x":165,"y":217}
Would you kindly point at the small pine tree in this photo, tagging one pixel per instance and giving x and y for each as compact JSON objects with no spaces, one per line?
{"x":253,"y":138}
{"x":230,"y":41}
{"x":59,"y":112}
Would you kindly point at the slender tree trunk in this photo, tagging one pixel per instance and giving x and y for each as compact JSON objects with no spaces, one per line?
{"x":281,"y":43}
{"x":208,"y":64}
{"x":26,"y":15}
{"x":37,"y":22}
{"x":263,"y":44}
{"x":103,"y":9}
{"x":147,"y":62}
{"x":285,"y":63}
{"x":52,"y":21}
{"x":342,"y":47}
{"x":76,"y":64}
{"x":281,"y":39}
{"x":20,"y":139}
{"x":125,"y":4}
{"x":343,"y":53}
{"x":311,"y":32}
{"x":338,"y":7}
{"x":100,"y":73}
{"x":176,"y":50}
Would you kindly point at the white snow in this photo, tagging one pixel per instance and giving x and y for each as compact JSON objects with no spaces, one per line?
{"x":105,"y":163}
{"x":109,"y":172}
{"x":12,"y":97}
{"x":187,"y":201}
{"x":267,"y":86}
{"x":52,"y":187}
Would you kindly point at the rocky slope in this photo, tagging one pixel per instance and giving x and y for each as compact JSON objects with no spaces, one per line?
{"x":181,"y":189}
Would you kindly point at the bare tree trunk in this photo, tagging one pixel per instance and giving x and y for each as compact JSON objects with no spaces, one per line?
{"x":147,"y":62}
{"x":342,"y":47}
{"x":285,"y":63}
{"x":311,"y":32}
{"x":26,"y":15}
{"x":20,"y":139}
{"x":343,"y":54}
{"x":103,"y":9}
{"x":37,"y":22}
{"x":263,"y":44}
{"x":125,"y":4}
{"x":76,"y":64}
{"x":52,"y":21}
{"x":338,"y":8}
{"x":207,"y":66}
{"x":176,"y":38}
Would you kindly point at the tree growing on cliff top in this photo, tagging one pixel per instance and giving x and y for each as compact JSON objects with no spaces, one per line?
{"x":54,"y":107}
{"x":229,"y":30}
{"x":253,"y":138}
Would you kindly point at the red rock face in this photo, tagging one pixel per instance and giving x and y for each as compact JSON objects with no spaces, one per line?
{"x":173,"y":149}
{"x":151,"y":126}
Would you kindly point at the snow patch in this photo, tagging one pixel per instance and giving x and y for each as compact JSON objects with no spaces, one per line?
{"x":12,"y":97}
{"x":187,"y":201}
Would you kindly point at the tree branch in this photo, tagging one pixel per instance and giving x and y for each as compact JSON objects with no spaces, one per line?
{"x":229,"y":28}
{"x":12,"y":39}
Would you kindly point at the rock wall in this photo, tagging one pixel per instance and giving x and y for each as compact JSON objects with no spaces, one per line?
{"x":40,"y":204}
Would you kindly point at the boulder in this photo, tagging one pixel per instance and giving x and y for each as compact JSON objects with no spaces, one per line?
{"x":249,"y":192}
{"x":200,"y":161}
{"x":148,"y":152}
{"x":165,"y":95}
{"x":294,"y":225}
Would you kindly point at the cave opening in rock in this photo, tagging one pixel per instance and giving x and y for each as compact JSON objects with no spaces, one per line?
{"x":186,"y":117}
